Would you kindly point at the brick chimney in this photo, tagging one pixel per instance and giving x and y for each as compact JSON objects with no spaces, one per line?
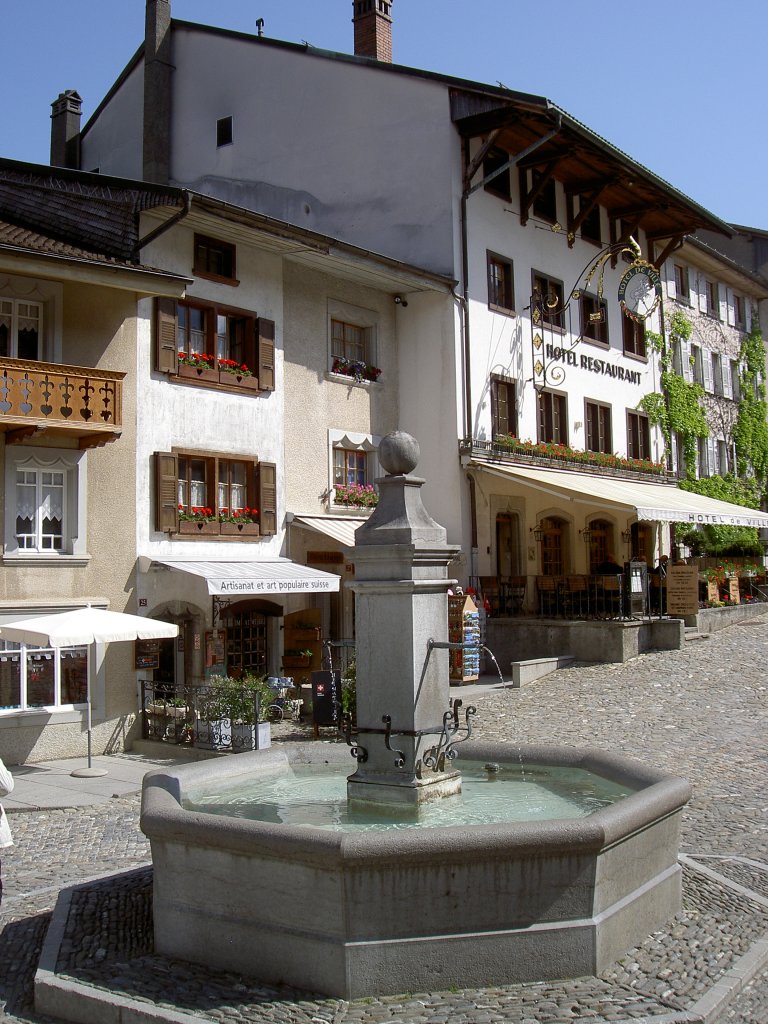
{"x":373,"y":29}
{"x":157,"y":92}
{"x":65,"y":129}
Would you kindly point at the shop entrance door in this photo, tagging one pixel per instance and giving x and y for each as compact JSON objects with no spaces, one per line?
{"x":246,"y":643}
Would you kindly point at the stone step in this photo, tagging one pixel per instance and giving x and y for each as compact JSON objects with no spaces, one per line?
{"x":694,"y":634}
{"x":535,"y":668}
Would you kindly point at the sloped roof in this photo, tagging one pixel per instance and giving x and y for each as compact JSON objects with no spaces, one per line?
{"x":86,"y":211}
{"x":579,"y":155}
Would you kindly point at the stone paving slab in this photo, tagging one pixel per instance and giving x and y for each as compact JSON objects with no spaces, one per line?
{"x":700,"y":712}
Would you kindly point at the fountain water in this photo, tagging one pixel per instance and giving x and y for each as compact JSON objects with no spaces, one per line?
{"x":362,"y":913}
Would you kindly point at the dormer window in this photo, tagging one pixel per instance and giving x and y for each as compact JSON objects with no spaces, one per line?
{"x":214,"y":259}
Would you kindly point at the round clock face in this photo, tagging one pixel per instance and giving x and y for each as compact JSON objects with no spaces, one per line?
{"x":640,"y":291}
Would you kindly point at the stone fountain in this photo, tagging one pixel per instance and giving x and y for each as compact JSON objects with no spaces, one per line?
{"x":365,"y":913}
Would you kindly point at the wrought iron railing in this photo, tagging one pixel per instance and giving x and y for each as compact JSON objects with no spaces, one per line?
{"x":560,"y":456}
{"x":208,"y":717}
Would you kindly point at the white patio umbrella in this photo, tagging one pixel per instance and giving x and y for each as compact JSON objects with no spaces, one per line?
{"x":82,"y":627}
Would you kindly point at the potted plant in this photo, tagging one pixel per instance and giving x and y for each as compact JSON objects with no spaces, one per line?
{"x":248,"y":703}
{"x":213,"y":725}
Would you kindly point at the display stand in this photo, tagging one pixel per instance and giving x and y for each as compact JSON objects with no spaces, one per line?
{"x":464,"y":628}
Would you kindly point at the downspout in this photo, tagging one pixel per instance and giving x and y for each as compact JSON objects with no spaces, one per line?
{"x":165,"y":226}
{"x":464,"y":306}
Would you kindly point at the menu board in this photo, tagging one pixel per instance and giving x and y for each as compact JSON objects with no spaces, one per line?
{"x":146,"y":654}
{"x":682,"y":584}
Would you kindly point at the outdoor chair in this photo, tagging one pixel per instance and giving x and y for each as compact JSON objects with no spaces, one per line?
{"x":548,"y":590}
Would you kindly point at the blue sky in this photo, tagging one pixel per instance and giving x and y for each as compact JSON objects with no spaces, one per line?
{"x":678,"y":88}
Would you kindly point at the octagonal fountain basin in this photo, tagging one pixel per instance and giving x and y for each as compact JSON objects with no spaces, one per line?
{"x":352,"y":907}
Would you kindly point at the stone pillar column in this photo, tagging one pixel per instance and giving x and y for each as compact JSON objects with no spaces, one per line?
{"x":401,"y":582}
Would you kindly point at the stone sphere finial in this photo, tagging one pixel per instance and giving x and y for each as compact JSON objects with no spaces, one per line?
{"x":399,"y":453}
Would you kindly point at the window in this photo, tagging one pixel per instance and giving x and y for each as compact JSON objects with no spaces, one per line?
{"x":712,"y":299}
{"x":697,"y":364}
{"x":224,"y":131}
{"x":205,"y":494}
{"x":348,"y":341}
{"x":601,"y":543}
{"x":545,"y":203}
{"x":677,"y":357}
{"x":638,"y":436}
{"x":352,"y":341}
{"x":634,"y":337}
{"x":501,"y":284}
{"x":739,"y":312}
{"x":553,"y":544}
{"x":722,"y":458}
{"x":553,"y":423}
{"x":39,"y":677}
{"x":214,"y":259}
{"x":717,"y":374}
{"x":599,"y":435}
{"x":594,"y":319}
{"x":21,"y":328}
{"x":549,"y":292}
{"x":45,"y":502}
{"x":703,"y":458}
{"x":215,"y":345}
{"x":352,"y":469}
{"x":503,"y":406}
{"x":682,"y":284}
{"x":40,"y":502}
{"x":501,"y":184}
{"x":590,"y":226}
{"x":735,"y":380}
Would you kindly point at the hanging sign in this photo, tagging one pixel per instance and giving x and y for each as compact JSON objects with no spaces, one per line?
{"x":640,"y":290}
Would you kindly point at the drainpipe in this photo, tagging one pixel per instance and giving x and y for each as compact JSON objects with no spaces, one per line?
{"x":165,"y":226}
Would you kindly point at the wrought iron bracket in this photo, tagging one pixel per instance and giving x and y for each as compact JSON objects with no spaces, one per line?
{"x":400,"y":756}
{"x":356,"y":750}
{"x":445,"y":749}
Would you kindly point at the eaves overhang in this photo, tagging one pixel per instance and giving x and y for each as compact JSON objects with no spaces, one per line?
{"x":583,"y":161}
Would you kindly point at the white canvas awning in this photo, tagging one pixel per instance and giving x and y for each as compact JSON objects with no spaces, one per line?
{"x":82,"y":626}
{"x":243,"y":578}
{"x":338,"y":528}
{"x":651,"y":502}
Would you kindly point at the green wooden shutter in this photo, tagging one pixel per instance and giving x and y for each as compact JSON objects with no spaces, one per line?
{"x":166,"y":493}
{"x":268,"y":497}
{"x":166,"y":340}
{"x":266,"y":335}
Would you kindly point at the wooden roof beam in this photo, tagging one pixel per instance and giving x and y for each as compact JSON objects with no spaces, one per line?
{"x":672,"y":245}
{"x":528,"y":198}
{"x":585,"y":208}
{"x":478,"y":158}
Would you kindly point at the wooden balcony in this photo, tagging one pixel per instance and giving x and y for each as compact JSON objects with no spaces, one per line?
{"x":59,"y":401}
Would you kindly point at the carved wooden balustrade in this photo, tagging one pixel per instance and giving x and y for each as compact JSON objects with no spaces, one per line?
{"x":53,"y":398}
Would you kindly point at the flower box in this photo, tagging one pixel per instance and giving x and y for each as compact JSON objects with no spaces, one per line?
{"x":198,"y":527}
{"x":250,"y":737}
{"x":240,"y":529}
{"x":237,"y":380}
{"x":297,"y":661}
{"x":206,"y":373}
{"x":215,"y":734}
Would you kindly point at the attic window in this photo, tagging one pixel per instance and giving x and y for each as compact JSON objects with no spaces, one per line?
{"x":224,"y":131}
{"x":214,"y":259}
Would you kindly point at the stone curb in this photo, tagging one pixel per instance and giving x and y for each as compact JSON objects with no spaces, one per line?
{"x":79,"y":1003}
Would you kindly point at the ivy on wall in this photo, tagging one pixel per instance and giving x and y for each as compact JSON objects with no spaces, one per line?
{"x":750,"y":434}
{"x":677,"y":410}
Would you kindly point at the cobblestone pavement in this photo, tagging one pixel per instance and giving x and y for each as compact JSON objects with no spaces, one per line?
{"x":699,"y":712}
